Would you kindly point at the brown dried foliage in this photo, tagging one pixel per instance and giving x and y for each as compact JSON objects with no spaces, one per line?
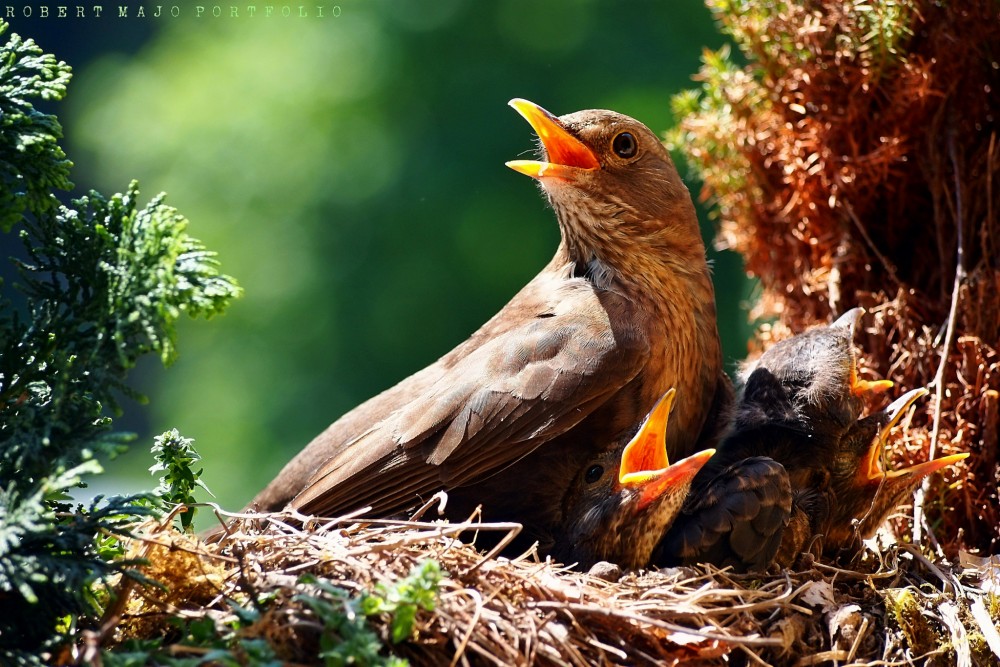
{"x":526,"y":612}
{"x":865,"y":140}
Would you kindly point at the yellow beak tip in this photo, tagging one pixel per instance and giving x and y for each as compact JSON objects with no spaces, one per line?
{"x":528,"y":167}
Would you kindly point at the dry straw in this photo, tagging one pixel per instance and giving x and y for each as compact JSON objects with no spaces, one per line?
{"x":892,"y":609}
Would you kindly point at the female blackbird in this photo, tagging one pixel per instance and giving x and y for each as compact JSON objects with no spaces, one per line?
{"x":623,"y":311}
{"x":620,"y":501}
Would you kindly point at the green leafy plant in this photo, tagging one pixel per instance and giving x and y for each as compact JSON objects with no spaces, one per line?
{"x":102,"y":282}
{"x":403,"y":599}
{"x":33,"y":164}
{"x":205,"y":644}
{"x":347,"y":637}
{"x":347,"y":634}
{"x":175,"y":456}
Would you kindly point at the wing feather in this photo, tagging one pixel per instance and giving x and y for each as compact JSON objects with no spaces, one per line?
{"x":736,"y":518}
{"x":490,"y":408}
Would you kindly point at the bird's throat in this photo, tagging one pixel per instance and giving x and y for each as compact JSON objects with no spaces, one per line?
{"x":596,"y":272}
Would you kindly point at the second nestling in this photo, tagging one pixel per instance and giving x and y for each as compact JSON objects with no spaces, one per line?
{"x":800,"y":470}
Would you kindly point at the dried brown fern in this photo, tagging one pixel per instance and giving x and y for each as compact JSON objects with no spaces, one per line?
{"x":854,"y":162}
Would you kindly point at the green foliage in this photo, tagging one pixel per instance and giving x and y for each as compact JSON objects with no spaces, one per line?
{"x":766,"y":33}
{"x":209,"y":646}
{"x":102,"y":283}
{"x":31,"y":162}
{"x":175,"y":456}
{"x":905,"y":609}
{"x":402,"y":600}
{"x":788,"y":47}
{"x":748,"y":23}
{"x":884,"y":29}
{"x":727,"y":92}
{"x":347,"y":637}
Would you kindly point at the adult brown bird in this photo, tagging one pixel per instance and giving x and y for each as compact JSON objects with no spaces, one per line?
{"x":765,"y":492}
{"x":622,"y":500}
{"x":624,"y":311}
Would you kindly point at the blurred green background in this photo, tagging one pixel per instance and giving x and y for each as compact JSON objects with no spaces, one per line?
{"x":349,"y":171}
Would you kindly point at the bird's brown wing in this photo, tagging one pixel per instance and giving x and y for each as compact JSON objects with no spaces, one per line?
{"x":735,"y":519}
{"x":524,"y":386}
{"x":800,"y":534}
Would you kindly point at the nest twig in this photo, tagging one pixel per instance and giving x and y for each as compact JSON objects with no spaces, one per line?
{"x":526,"y":611}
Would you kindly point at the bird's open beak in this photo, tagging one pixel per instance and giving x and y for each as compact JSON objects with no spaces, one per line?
{"x":674,"y":477}
{"x":861,"y":387}
{"x":567,"y":155}
{"x":872,"y":470}
{"x":644,"y":460}
{"x":850,"y":321}
{"x":646,"y":454}
{"x":929,"y":467}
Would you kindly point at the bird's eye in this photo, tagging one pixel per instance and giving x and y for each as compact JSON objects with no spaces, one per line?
{"x":594,"y":473}
{"x":624,"y":145}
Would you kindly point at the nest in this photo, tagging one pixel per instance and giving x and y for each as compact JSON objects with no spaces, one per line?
{"x":855,"y":162}
{"x":892,"y":607}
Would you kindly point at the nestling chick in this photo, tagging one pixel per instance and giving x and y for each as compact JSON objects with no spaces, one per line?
{"x":623,"y":499}
{"x":864,"y":491}
{"x":765,"y":493}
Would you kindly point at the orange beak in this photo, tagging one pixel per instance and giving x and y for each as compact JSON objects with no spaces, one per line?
{"x":861,"y":387}
{"x":567,"y":155}
{"x":644,"y":460}
{"x":930,"y":467}
{"x":850,"y":321}
{"x":871,"y":468}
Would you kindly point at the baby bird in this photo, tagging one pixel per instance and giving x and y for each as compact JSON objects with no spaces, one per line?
{"x":762,"y":495}
{"x":863,"y":490}
{"x":622,"y":500}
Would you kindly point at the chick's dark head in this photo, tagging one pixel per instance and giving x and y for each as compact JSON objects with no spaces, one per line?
{"x":812,"y":378}
{"x":622,"y":500}
{"x":866,"y":487}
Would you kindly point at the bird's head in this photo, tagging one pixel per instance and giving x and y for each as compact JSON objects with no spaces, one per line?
{"x":611,"y":183}
{"x":868,"y":490}
{"x":818,"y":371}
{"x":622,"y":500}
